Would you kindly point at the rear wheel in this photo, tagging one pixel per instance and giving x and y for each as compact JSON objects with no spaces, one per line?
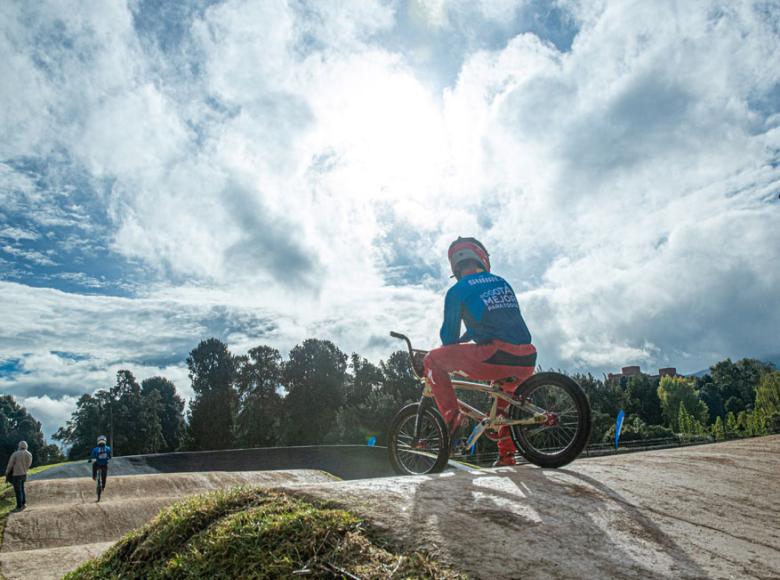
{"x":418,"y":456}
{"x":566,"y":430}
{"x":99,"y":480}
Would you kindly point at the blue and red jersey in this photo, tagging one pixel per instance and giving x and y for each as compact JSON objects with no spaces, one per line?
{"x":488,"y":307}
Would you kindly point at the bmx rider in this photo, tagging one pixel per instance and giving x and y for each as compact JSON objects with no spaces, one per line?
{"x":496,"y":344}
{"x":100,"y":457}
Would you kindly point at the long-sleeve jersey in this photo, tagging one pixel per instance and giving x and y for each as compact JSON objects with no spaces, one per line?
{"x":101,"y":455}
{"x":487,"y":305}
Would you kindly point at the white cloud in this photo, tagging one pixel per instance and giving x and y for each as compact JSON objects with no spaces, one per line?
{"x":52,"y":413}
{"x":29,"y":255}
{"x":288,"y":171}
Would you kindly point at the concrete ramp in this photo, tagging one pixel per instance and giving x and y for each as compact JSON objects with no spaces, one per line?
{"x":64,"y":526}
{"x":710,"y":511}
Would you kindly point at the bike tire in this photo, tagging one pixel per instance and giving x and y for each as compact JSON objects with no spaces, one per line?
{"x":433,"y":423}
{"x":520,"y":434}
{"x":99,"y":482}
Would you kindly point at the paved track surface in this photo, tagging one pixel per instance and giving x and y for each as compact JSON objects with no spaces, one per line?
{"x":709,"y":511}
{"x":344,"y":461}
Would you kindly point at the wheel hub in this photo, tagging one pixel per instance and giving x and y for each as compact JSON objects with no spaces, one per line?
{"x":551,"y":419}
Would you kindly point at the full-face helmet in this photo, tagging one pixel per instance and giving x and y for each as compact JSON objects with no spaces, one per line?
{"x":464,"y":250}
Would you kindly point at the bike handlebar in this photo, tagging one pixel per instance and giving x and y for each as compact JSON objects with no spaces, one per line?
{"x":403,"y":337}
{"x":412,"y":352}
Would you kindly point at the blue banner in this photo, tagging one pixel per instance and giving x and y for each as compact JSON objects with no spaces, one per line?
{"x":372,"y":441}
{"x":618,"y":426}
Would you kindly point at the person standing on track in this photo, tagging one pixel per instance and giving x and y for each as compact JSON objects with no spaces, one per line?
{"x":100,"y":457}
{"x":496,"y":344}
{"x":16,"y":473}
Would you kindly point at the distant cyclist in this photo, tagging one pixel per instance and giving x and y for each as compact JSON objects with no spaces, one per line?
{"x":498,"y":341}
{"x":100,"y":457}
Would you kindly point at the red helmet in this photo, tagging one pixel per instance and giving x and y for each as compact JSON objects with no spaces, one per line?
{"x":464,"y":249}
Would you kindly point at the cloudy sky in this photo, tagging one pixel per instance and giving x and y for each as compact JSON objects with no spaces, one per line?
{"x":267,"y":171}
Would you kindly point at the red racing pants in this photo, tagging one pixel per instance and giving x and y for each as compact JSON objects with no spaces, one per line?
{"x":481,"y":362}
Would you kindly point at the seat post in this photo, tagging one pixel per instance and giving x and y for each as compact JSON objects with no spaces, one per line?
{"x":493,"y":407}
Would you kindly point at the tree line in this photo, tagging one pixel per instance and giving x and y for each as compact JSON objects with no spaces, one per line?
{"x":16,"y":424}
{"x":317,"y":395}
{"x":137,"y":418}
{"x":734,"y":399}
{"x":320,"y":395}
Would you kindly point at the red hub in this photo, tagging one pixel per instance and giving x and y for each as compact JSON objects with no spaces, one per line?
{"x":422,"y":444}
{"x":552,"y":419}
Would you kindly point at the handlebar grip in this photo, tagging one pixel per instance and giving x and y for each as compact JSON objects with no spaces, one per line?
{"x":396,"y":334}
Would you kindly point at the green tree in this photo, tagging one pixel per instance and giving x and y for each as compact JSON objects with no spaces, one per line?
{"x":170,"y":410}
{"x":150,"y":439}
{"x":609,"y":396}
{"x":734,"y":405}
{"x":16,"y":424}
{"x":718,"y":430}
{"x":768,"y":401}
{"x":756,"y":424}
{"x":212,"y":410}
{"x":398,"y":380}
{"x":738,"y":381}
{"x":674,"y":391}
{"x":634,"y":429}
{"x":641,"y":397}
{"x":258,"y":379}
{"x":742,"y":423}
{"x":684,"y":420}
{"x":710,"y":393}
{"x":314,"y":377}
{"x":132,"y":429}
{"x":364,"y":378}
{"x":732,"y":427}
{"x":85,"y":424}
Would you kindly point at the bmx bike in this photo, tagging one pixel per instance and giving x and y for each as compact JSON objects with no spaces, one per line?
{"x":548,"y":417}
{"x":98,"y":481}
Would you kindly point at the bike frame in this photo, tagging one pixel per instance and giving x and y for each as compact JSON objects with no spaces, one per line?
{"x":99,"y":482}
{"x":485,"y":421}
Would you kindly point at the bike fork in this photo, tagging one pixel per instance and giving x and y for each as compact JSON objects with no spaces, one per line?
{"x":425,"y":403}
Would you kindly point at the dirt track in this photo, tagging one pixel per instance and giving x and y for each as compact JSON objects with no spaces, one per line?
{"x":64,"y":526}
{"x":708,"y":511}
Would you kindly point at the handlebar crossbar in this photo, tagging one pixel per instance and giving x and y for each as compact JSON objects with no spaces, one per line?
{"x":403,"y":337}
{"x":412,"y":352}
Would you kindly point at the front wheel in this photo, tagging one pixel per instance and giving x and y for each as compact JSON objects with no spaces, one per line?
{"x":99,"y":480}
{"x":428,"y":453}
{"x":566,"y":429}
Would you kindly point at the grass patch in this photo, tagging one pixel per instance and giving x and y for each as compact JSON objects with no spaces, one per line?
{"x":256,"y":533}
{"x":41,"y":468}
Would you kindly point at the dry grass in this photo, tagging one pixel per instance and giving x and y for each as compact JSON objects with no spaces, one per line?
{"x":254,"y":533}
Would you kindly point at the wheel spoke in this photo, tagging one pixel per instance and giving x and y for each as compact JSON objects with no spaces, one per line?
{"x":418,"y":455}
{"x":555,"y":438}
